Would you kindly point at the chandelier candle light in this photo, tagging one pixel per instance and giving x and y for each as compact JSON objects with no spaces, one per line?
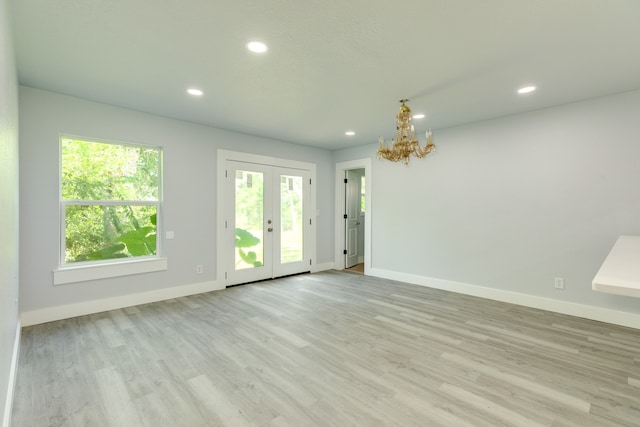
{"x":405,"y":143}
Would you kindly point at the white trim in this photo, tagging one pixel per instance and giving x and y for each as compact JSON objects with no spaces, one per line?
{"x":316,"y":268}
{"x":13,"y":373}
{"x":82,"y":273}
{"x":51,"y":314}
{"x":631,"y":320}
{"x":223,"y":156}
{"x":262,"y":160}
{"x":340,"y":209}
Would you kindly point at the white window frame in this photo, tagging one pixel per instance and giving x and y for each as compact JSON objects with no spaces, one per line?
{"x":103,"y":269}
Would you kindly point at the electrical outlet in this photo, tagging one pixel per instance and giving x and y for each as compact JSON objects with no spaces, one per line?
{"x":559,"y":283}
{"x":199,"y":269}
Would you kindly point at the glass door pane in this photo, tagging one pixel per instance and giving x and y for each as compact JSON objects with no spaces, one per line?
{"x":249,"y":219}
{"x":291,"y":219}
{"x":291,"y":244}
{"x":268,"y":216}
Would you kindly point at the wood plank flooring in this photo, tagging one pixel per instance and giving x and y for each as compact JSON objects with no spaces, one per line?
{"x":358,"y":268}
{"x":328,"y":349}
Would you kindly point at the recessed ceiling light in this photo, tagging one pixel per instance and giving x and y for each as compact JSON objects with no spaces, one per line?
{"x":419,"y":116}
{"x":257,"y":47}
{"x":195,"y":92}
{"x":527,"y":89}
{"x":349,"y":133}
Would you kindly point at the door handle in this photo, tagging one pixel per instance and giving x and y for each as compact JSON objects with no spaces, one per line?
{"x":358,"y":223}
{"x":269,"y":229}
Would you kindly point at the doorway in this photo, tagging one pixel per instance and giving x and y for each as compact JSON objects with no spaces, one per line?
{"x":361,"y":203}
{"x":355,"y":205}
{"x":266,"y":228}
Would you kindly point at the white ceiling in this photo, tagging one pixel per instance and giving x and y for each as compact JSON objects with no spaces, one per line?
{"x":332,"y":65}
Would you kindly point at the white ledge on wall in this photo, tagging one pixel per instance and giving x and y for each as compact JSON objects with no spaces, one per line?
{"x":82,"y":273}
{"x":620,"y":272}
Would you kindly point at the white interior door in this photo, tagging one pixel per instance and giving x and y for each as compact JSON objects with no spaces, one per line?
{"x":267,"y":220}
{"x":352,"y":204}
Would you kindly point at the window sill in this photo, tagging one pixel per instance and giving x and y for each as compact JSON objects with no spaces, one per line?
{"x":84,"y":273}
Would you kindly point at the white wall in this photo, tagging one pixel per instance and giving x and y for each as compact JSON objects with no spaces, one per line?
{"x":510,"y":204}
{"x":189,"y":193}
{"x":8,"y":209}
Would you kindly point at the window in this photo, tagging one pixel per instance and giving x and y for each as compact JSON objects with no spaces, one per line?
{"x":109,"y":201}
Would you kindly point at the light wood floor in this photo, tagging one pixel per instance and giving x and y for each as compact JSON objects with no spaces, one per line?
{"x":328,"y":349}
{"x":358,"y":268}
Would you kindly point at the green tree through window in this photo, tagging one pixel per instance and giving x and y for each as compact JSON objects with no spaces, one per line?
{"x":110,"y":197}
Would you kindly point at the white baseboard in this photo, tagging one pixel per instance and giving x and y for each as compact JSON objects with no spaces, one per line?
{"x":322,"y":267}
{"x":67,"y":311}
{"x":631,"y":320}
{"x":13,"y":373}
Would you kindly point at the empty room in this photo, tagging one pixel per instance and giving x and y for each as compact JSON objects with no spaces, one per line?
{"x":324,"y":213}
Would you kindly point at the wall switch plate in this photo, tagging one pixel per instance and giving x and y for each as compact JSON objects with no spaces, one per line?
{"x":169,"y":235}
{"x":199,"y":269}
{"x":559,"y":283}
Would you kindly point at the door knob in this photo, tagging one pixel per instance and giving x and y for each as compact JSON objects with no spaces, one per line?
{"x":269,"y":229}
{"x":268,"y":221}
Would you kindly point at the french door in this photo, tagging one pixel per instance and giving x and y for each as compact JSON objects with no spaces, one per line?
{"x":266,"y":222}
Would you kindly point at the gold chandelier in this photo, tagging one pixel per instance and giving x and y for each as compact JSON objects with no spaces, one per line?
{"x":405,"y":143}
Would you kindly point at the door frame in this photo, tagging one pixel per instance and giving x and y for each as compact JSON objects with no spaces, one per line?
{"x":340,"y":201}
{"x":223,"y":157}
